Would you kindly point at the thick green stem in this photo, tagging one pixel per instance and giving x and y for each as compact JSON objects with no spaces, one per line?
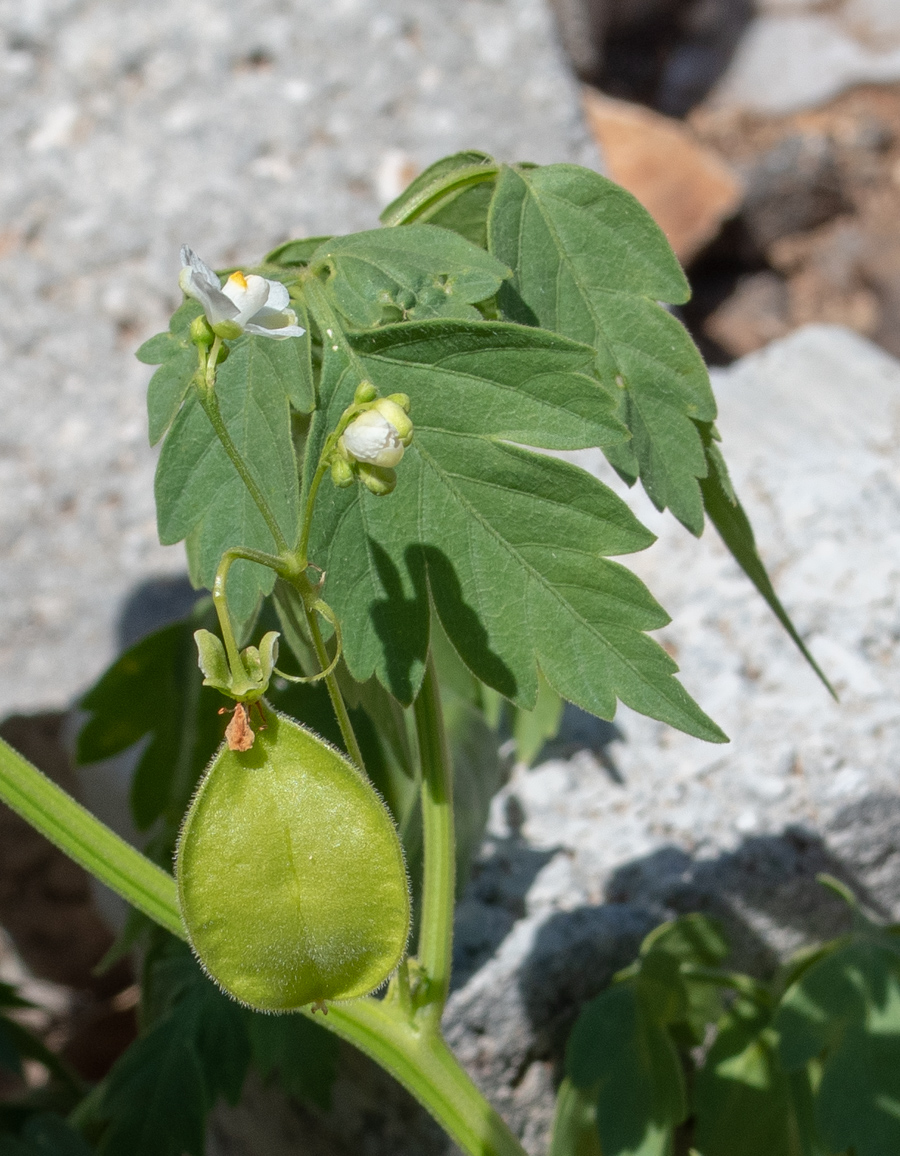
{"x":210,"y":404}
{"x":88,"y":841}
{"x":424,"y":1064}
{"x":439,"y":881}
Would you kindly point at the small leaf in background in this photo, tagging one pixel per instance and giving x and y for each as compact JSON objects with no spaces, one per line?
{"x":744,"y":1101}
{"x":845,"y":1009}
{"x":574,"y":1123}
{"x":198,"y":490}
{"x":439,"y":186}
{"x":45,"y":1134}
{"x":590,"y":263}
{"x":727,"y":515}
{"x":687,"y":1004}
{"x":412,"y":273}
{"x":533,"y":728}
{"x":619,"y":1052}
{"x":177,"y":358}
{"x":294,"y":254}
{"x":510,"y":544}
{"x":300,"y":1054}
{"x":155,"y":689}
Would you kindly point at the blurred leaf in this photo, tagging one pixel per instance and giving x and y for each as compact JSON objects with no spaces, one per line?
{"x":296,"y":1051}
{"x":412,"y":273}
{"x":727,"y":515}
{"x":590,"y":263}
{"x":845,"y":1009}
{"x":533,"y":728}
{"x":155,"y":689}
{"x":294,"y":254}
{"x":575,"y":1123}
{"x":745,"y":1102}
{"x":510,"y":545}
{"x":45,"y":1134}
{"x":619,"y":1051}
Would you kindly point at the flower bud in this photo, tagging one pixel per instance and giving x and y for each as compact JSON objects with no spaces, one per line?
{"x":397,"y":416}
{"x":201,"y":332}
{"x":227,"y":330}
{"x":341,"y":472}
{"x":365,"y":392}
{"x":401,"y":399}
{"x":378,"y":480}
{"x":372,"y":438}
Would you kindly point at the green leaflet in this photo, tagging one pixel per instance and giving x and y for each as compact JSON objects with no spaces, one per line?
{"x":727,"y":515}
{"x":511,"y":546}
{"x":155,"y":689}
{"x":411,"y":274}
{"x":627,"y":1059}
{"x":575,"y":1123}
{"x":300,"y":1054}
{"x":589,"y":262}
{"x":439,"y":187}
{"x":198,"y":491}
{"x":845,"y":1008}
{"x":177,"y":361}
{"x":744,"y":1101}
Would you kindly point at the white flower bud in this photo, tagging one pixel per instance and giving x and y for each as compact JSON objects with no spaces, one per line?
{"x":372,"y":438}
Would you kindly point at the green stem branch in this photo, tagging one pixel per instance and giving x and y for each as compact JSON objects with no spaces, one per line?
{"x":334,"y":690}
{"x":439,"y":880}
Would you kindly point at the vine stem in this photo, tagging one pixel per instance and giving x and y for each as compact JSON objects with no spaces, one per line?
{"x":439,"y":877}
{"x":334,"y":690}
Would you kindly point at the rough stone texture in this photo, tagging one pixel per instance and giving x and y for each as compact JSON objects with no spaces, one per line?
{"x":130,"y":129}
{"x":799,"y":53}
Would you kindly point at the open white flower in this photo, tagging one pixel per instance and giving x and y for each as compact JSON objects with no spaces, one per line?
{"x":372,"y":438}
{"x":250,"y":304}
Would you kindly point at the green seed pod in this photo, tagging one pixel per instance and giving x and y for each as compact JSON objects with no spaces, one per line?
{"x":291,"y":878}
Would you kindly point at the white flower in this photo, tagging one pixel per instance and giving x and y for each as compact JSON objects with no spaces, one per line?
{"x":242,"y":305}
{"x":372,"y":438}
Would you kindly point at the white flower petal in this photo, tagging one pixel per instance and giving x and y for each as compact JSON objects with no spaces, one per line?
{"x":371,"y":438}
{"x":200,"y":268}
{"x":247,"y":293}
{"x":278,"y":295}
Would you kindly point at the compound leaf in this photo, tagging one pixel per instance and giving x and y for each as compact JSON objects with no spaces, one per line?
{"x":590,"y":263}
{"x":511,"y":546}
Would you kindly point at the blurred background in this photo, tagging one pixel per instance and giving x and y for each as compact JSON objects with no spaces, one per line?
{"x":765,"y":139}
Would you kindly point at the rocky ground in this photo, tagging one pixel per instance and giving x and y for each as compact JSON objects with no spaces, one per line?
{"x":234,"y":126}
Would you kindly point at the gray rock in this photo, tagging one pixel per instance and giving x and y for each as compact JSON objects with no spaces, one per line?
{"x":801,"y":53}
{"x":130,"y":129}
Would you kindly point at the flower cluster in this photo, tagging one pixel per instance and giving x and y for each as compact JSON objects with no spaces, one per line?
{"x":374,"y":441}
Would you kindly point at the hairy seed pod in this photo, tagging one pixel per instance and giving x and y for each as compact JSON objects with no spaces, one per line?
{"x":291,"y":877}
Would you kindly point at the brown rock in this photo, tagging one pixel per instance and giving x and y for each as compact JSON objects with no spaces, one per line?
{"x":756,"y":313}
{"x":686,"y":187}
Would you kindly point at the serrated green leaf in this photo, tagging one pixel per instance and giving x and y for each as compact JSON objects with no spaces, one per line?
{"x":177,"y":359}
{"x":621,"y":1053}
{"x":155,"y":689}
{"x":590,"y":263}
{"x":438,"y":186}
{"x":296,"y":1051}
{"x":744,"y":1101}
{"x":155,"y":1097}
{"x":510,"y":545}
{"x":198,"y":490}
{"x":845,"y":1009}
{"x":727,"y":515}
{"x":413,"y":273}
